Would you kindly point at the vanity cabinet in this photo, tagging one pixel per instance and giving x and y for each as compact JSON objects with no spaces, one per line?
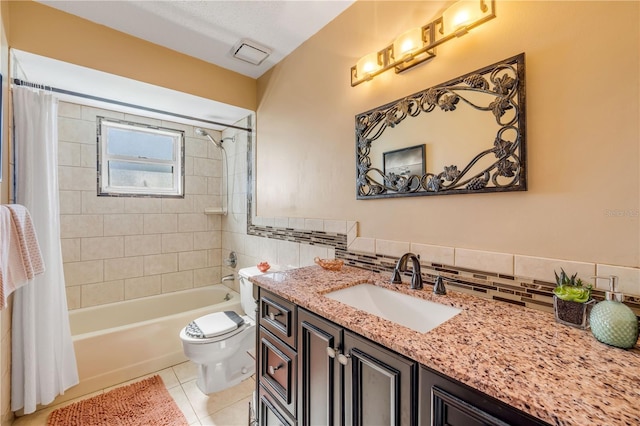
{"x":276,"y":368}
{"x":346,"y":379}
{"x":312,"y":372}
{"x":445,"y":402}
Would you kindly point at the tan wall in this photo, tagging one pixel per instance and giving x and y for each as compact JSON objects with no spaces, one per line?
{"x":49,"y":32}
{"x":6,"y":415}
{"x":582,"y":127}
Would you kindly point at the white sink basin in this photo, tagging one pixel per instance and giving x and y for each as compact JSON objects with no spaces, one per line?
{"x":412,"y":312}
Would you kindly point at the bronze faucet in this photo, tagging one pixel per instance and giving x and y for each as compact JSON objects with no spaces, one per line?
{"x":401,"y":266}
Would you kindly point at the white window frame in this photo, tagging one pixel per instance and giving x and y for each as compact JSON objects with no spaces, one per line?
{"x":105,"y":188}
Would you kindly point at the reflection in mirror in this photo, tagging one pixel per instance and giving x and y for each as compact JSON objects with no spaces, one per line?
{"x":463,"y":136}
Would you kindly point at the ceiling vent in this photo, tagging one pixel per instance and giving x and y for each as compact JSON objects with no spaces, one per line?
{"x":251,"y":52}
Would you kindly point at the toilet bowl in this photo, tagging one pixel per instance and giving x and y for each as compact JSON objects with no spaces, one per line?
{"x":219,"y":343}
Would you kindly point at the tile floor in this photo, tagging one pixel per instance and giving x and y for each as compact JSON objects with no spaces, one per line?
{"x":229,"y":407}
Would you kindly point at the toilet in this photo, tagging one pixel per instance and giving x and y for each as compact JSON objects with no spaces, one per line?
{"x":218,"y":342}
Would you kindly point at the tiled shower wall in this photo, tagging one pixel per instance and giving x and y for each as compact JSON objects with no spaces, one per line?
{"x":120,"y":248}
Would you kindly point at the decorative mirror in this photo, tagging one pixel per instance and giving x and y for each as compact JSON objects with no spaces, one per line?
{"x":464,"y":136}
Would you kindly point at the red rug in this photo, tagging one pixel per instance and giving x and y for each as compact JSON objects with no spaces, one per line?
{"x":146,"y":402}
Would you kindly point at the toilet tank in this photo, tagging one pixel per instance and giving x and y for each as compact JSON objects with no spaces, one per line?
{"x":246,"y":289}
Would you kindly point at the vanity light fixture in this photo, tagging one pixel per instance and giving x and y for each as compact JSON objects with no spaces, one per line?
{"x":417,"y":45}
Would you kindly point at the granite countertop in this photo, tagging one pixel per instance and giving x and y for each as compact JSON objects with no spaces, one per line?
{"x":521,"y":356}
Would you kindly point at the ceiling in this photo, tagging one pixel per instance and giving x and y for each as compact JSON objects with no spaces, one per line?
{"x":208,"y":30}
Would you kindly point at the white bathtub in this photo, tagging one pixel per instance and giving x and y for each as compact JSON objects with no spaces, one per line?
{"x":121,"y":341}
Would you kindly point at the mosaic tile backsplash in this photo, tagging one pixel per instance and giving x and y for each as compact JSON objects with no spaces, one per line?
{"x":520,"y":291}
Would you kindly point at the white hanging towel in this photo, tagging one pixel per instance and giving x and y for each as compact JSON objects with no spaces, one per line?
{"x":20,"y":257}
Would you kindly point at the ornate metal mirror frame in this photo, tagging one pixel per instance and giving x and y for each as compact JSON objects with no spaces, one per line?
{"x":498,"y":90}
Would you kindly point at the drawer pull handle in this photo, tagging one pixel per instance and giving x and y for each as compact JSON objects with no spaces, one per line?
{"x":343,"y":359}
{"x":332,"y":352}
{"x":272,"y":369}
{"x":273,"y":316}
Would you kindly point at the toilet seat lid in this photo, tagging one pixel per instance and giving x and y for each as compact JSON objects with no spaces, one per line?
{"x":218,"y":323}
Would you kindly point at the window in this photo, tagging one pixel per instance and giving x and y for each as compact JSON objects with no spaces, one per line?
{"x":137,"y":159}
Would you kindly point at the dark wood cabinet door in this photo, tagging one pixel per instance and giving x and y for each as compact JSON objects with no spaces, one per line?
{"x":319,"y":382}
{"x":277,"y":370}
{"x":380,"y":386}
{"x":269,"y":412}
{"x":445,"y":402}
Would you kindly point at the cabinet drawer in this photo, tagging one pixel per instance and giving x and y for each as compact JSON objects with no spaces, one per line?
{"x":270,"y":413}
{"x":278,"y":370}
{"x":279,"y":317}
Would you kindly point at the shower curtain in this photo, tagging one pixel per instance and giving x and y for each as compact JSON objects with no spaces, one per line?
{"x":43,"y":362}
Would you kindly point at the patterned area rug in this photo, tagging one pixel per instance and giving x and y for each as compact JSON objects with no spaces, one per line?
{"x":146,"y":402}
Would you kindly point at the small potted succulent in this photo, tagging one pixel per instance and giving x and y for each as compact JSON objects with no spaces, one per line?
{"x":572,"y":300}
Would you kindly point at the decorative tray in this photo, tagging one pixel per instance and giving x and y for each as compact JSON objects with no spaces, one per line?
{"x":329,"y":264}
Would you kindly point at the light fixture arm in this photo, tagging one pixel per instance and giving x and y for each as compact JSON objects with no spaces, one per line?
{"x":433,"y":35}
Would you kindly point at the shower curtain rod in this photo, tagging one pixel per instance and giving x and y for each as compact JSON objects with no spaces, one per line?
{"x":20,"y":82}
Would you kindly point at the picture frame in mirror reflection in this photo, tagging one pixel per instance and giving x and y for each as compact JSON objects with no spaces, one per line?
{"x":404,"y":162}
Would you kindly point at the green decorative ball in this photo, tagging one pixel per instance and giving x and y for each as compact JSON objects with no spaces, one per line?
{"x":615,"y":324}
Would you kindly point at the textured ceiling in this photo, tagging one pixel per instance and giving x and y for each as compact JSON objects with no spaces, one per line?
{"x":209,"y":30}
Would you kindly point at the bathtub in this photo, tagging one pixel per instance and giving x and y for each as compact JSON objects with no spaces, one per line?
{"x":121,"y":341}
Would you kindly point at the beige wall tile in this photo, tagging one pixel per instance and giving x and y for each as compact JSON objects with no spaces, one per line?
{"x":190,"y":222}
{"x":296,"y":222}
{"x":363,"y":245}
{"x":195,"y":185}
{"x":484,"y":261}
{"x":88,"y":155}
{"x":69,"y":110}
{"x":352,"y":232}
{"x":101,"y":248}
{"x":192,"y":260}
{"x":391,"y":248}
{"x":102,"y":293}
{"x":160,"y":223}
{"x":123,"y":224}
{"x":177,"y":242}
{"x":144,"y":120}
{"x":202,"y":202}
{"x":72,"y":226}
{"x":74,"y":130}
{"x":177,"y":281}
{"x":90,"y":113}
{"x":214,"y":222}
{"x":628,"y":278}
{"x":214,"y":186}
{"x":206,"y":276}
{"x":124,"y":267}
{"x":69,"y":154}
{"x":77,"y":178}
{"x":195,"y":147}
{"x":309,"y":252}
{"x":337,"y":226}
{"x":206,"y":240}
{"x":142,"y":205}
{"x":70,"y":249}
{"x":288,"y":254}
{"x":313,"y":224}
{"x":541,"y":268}
{"x":77,"y":273}
{"x":74,"y":298}
{"x":139,"y":245}
{"x":142,"y":286}
{"x":160,"y":263}
{"x":92,"y":204}
{"x":70,"y":202}
{"x":178,"y":205}
{"x":207,"y":167}
{"x":434,"y":254}
{"x":214,"y":257}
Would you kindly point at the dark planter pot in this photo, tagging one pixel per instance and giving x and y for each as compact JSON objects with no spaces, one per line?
{"x":573,"y":314}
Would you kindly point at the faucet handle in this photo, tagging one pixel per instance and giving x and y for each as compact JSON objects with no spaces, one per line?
{"x":438,"y":286}
{"x":396,"y":278}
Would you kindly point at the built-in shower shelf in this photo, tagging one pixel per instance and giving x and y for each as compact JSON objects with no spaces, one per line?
{"x":214,"y":210}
